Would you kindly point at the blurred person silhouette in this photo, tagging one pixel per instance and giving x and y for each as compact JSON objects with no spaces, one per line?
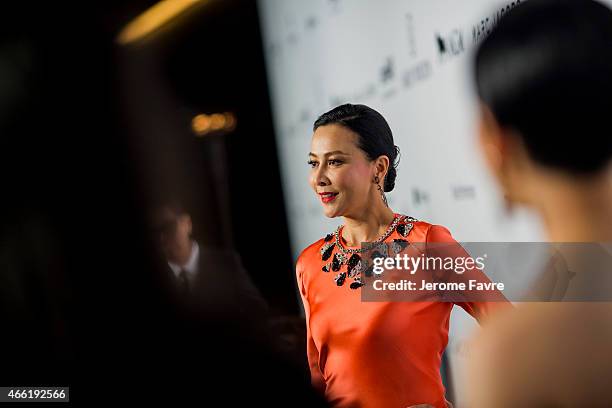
{"x":209,"y":278}
{"x":214,"y":280}
{"x":79,"y":305}
{"x":544,"y":79}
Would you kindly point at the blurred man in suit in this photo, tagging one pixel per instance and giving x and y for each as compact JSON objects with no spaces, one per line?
{"x":205,"y":279}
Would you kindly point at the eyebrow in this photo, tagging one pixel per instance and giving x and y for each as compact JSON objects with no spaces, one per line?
{"x":330,"y":153}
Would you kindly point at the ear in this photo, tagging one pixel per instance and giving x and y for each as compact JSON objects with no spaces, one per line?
{"x":506,"y":156}
{"x":490,"y":139}
{"x":381,"y":167}
{"x":502,"y":146}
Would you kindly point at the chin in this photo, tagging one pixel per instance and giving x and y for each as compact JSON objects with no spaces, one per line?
{"x":331,"y":212}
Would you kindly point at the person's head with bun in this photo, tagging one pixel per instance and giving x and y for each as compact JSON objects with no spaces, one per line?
{"x":544,"y":79}
{"x":353,"y":160}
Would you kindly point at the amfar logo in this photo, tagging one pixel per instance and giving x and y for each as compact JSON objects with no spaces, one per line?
{"x":450,"y":45}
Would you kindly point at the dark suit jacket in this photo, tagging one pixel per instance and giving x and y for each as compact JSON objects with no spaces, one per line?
{"x":221,"y":290}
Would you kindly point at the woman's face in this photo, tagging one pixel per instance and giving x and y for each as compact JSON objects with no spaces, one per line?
{"x":341,"y":174}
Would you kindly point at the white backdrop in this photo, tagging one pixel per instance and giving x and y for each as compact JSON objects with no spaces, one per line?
{"x":411,"y":61}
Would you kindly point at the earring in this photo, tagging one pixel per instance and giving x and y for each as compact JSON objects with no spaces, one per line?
{"x":380,"y":190}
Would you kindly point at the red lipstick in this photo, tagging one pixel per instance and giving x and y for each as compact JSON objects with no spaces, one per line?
{"x":328,"y":197}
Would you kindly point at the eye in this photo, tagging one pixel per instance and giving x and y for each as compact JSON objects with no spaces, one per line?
{"x":312,"y":163}
{"x":334,"y":162}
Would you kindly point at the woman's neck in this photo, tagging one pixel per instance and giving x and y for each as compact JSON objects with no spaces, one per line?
{"x":580,"y":211}
{"x":367,"y":225}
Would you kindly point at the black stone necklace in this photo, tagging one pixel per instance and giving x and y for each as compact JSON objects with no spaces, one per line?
{"x":350,"y":257}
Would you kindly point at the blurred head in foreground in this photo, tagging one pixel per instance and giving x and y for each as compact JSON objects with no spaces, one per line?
{"x":544,"y":81}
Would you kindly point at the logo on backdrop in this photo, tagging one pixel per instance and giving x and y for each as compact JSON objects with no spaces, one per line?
{"x":481,"y":29}
{"x":450,"y":44}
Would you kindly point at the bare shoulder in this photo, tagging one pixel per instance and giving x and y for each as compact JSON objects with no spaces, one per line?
{"x":528,"y":328}
{"x":539,"y":349}
{"x":546,"y":319}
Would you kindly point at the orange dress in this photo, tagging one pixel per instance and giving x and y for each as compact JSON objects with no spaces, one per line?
{"x":375,"y":354}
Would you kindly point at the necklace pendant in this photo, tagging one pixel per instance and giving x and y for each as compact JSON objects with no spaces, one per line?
{"x":398,"y":245}
{"x":356,"y":284}
{"x":404,"y":229}
{"x":338,"y":261}
{"x":340,"y":278}
{"x":359,"y":268}
{"x":326,"y":250}
{"x":354,"y":265}
{"x":377,"y":254}
{"x":326,"y":267}
{"x":368,"y":271}
{"x":353,"y":261}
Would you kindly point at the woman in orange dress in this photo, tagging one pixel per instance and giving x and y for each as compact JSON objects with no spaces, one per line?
{"x":367,"y":354}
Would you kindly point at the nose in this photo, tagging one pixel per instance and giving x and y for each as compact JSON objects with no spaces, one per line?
{"x":320,"y":177}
